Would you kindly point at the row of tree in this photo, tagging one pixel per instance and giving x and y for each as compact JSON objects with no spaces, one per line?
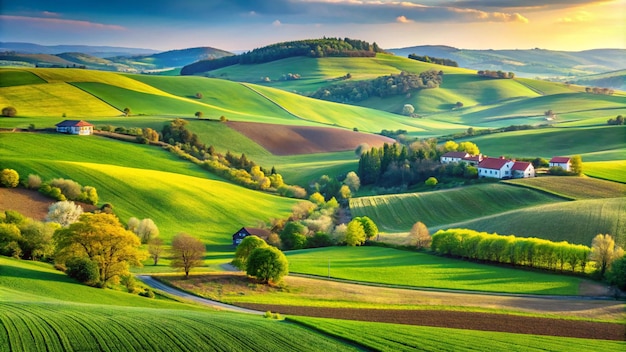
{"x":599,"y":90}
{"x":619,"y":120}
{"x":334,"y":47}
{"x":384,"y":86}
{"x":496,"y":74}
{"x":434,"y":60}
{"x":530,"y":252}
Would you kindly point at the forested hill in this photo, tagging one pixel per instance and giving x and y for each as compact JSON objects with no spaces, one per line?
{"x":311,"y":47}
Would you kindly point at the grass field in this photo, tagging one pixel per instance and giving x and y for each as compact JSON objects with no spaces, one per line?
{"x":575,"y":222}
{"x":574,"y":187}
{"x":405,"y":268}
{"x":398,"y":212}
{"x":608,"y":170}
{"x":593,"y":144}
{"x":57,"y":314}
{"x":396,"y":337}
{"x":13,"y":77}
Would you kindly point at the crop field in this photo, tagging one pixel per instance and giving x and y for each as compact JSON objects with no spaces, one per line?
{"x":575,"y":187}
{"x":398,"y":212}
{"x":608,"y":170}
{"x":397,"y":337}
{"x":406,"y":268}
{"x":13,"y":77}
{"x":50,"y":316}
{"x":593,"y":144}
{"x":585,"y":219}
{"x":53,"y":100}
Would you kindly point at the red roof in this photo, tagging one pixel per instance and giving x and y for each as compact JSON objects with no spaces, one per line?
{"x":455,"y":155}
{"x":560,"y":160}
{"x":520,"y":166}
{"x":493,"y":163}
{"x":74,"y":123}
{"x":476,"y":158}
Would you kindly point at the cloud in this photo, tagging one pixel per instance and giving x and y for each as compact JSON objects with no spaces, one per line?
{"x":277,"y":23}
{"x":50,"y":14}
{"x":521,"y":4}
{"x":47,"y":22}
{"x":577,"y":17}
{"x":403,"y":19}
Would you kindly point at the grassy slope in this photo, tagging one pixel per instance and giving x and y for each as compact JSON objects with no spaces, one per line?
{"x":608,"y":170}
{"x":575,"y":222}
{"x":13,"y":77}
{"x":58,"y":314}
{"x":397,"y":213}
{"x":573,"y":187}
{"x":593,"y":144}
{"x":396,"y":337}
{"x":396,"y":267}
{"x":145,"y":182}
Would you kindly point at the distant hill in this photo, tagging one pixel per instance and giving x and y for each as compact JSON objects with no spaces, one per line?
{"x":172,"y":58}
{"x":527,"y":63}
{"x":99,"y":51}
{"x":613,"y":79}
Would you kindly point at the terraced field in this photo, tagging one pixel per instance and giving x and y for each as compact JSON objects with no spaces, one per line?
{"x":398,"y":212}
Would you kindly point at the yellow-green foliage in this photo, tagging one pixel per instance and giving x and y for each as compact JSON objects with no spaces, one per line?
{"x":608,"y":170}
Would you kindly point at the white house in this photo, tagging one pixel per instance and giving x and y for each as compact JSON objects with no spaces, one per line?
{"x":453,"y":157}
{"x":79,"y":127}
{"x":522,"y":169}
{"x":561,"y":161}
{"x":495,"y":168}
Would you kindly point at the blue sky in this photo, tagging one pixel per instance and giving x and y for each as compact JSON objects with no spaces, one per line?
{"x":245,"y":24}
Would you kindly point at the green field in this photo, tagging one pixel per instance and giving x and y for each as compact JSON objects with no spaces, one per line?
{"x":406,"y":268}
{"x":42,"y":309}
{"x":398,"y":212}
{"x":574,"y":187}
{"x":608,"y":170}
{"x":396,"y":337}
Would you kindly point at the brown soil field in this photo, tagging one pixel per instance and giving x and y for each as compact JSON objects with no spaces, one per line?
{"x":294,"y":140}
{"x":461,"y":320}
{"x":29,"y":203}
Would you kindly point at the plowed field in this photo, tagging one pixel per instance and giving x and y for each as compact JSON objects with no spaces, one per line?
{"x":462,"y":320}
{"x":295,"y":140}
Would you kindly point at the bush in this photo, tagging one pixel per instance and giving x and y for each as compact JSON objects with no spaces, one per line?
{"x":147,"y":293}
{"x":71,"y":189}
{"x":82,"y":269}
{"x":267,"y":264}
{"x":9,"y":178}
{"x":129,"y":282}
{"x":9,"y":111}
{"x":52,"y":192}
{"x":431,"y":181}
{"x":33,"y":182}
{"x":617,"y":274}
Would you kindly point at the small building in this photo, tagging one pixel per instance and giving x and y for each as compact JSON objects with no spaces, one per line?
{"x":453,"y":157}
{"x":79,"y":127}
{"x":473,"y":160}
{"x":522,"y":169}
{"x":563,"y":162}
{"x":495,"y":168}
{"x":249,"y":231}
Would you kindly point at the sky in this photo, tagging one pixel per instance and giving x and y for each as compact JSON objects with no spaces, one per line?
{"x":236,"y":25}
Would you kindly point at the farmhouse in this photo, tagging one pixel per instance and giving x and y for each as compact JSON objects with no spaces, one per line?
{"x":249,"y":231}
{"x":522,"y":169}
{"x":495,"y":168}
{"x":79,"y":127}
{"x":457,"y":157}
{"x":561,"y":161}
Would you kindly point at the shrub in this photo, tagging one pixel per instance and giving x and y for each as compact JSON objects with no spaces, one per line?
{"x":71,"y":189}
{"x":52,"y":192}
{"x":64,"y":213}
{"x":617,"y":274}
{"x":431,"y":181}
{"x":33,"y":182}
{"x":9,"y":111}
{"x":129,"y":282}
{"x":267,"y":264}
{"x":89,"y":195}
{"x":245,"y":248}
{"x":9,"y":178}
{"x":82,"y":269}
{"x":147,"y":293}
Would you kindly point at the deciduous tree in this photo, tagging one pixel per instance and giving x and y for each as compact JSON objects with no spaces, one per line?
{"x":267,"y":264}
{"x":577,"y":165}
{"x":64,"y":213}
{"x":604,"y":252}
{"x":187,"y":252}
{"x":245,"y":248}
{"x":419,"y":236}
{"x":9,"y":111}
{"x":155,"y":249}
{"x":101,"y":238}
{"x":355,"y":234}
{"x":9,"y":178}
{"x":353,"y":181}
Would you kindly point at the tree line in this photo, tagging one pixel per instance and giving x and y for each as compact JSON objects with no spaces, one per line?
{"x":384,"y":86}
{"x":434,"y":60}
{"x":325,"y":47}
{"x":496,"y":74}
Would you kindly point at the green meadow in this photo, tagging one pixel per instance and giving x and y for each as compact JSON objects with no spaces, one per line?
{"x":58,"y":314}
{"x":398,"y":212}
{"x":416,"y":269}
{"x":608,"y":170}
{"x":397,"y":337}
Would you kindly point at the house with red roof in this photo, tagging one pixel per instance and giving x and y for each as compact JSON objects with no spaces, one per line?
{"x":522,"y":169}
{"x":453,"y":157}
{"x":563,"y":162}
{"x":79,"y":127}
{"x":495,"y":168}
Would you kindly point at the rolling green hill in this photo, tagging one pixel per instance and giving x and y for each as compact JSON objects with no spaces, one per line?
{"x":398,"y":212}
{"x":42,"y":309}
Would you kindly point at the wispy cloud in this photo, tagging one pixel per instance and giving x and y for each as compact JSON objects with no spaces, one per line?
{"x":577,"y":17}
{"x":47,"y":21}
{"x":403,"y":19}
{"x":277,"y":23}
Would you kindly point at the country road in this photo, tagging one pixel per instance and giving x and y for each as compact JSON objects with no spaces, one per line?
{"x":150,"y":281}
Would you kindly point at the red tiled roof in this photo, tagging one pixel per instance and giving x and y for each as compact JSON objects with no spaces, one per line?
{"x":73,"y":123}
{"x":473,"y":158}
{"x":560,"y":160}
{"x":520,"y":166}
{"x":493,"y":163}
{"x":263,"y":233}
{"x":455,"y":154}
